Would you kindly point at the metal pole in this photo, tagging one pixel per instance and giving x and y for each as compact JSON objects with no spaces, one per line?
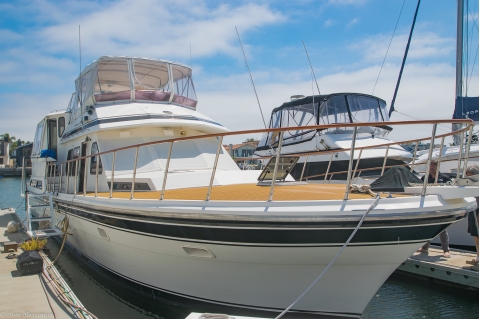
{"x":414,"y":156}
{"x":352,"y":152}
{"x":214,"y":168}
{"x":460,"y":154}
{"x":439,"y":160}
{"x":277,"y":159}
{"x":134,"y":172}
{"x":67,"y":173}
{"x":54,"y":175}
{"x":303,"y":169}
{"x":113,"y":173}
{"x":85,"y":178}
{"x":96,"y":175}
{"x":385,"y":160}
{"x":23,"y":187}
{"x":358,"y":161}
{"x":61,"y":178}
{"x":328,"y":169}
{"x":467,"y":151}
{"x":76,"y":178}
{"x":427,"y":168}
{"x":166,"y":171}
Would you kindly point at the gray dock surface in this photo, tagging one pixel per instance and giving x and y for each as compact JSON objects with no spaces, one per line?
{"x":14,"y":172}
{"x":25,"y":296}
{"x":452,"y":271}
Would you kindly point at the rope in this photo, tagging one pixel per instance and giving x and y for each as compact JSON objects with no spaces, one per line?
{"x":374,"y":204}
{"x":386,"y":53}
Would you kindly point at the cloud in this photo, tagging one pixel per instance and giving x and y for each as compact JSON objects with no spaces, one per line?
{"x":352,"y":22}
{"x":423,"y":45}
{"x":329,"y":23}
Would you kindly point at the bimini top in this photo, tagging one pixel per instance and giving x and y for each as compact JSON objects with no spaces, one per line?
{"x":113,"y":79}
{"x":325,"y":109}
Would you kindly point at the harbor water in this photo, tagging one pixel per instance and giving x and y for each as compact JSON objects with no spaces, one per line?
{"x":106,"y":297}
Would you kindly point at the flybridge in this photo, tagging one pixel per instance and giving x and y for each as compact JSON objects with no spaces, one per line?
{"x":130,"y":79}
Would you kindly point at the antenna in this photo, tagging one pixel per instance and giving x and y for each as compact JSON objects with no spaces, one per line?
{"x":311,"y":66}
{"x":251,"y":78}
{"x":80,"y":48}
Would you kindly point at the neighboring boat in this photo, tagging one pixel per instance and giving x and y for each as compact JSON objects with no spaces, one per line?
{"x":335,"y":108}
{"x":143,"y":188}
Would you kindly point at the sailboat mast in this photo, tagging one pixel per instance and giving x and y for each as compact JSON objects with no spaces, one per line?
{"x":458,"y":86}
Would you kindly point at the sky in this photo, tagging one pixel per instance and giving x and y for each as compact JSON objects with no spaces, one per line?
{"x":347,"y":42}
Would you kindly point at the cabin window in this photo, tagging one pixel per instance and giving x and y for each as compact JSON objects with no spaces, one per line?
{"x":334,"y":110}
{"x":73,"y":106}
{"x":37,"y":142}
{"x":112,"y":81}
{"x":151,"y":81}
{"x":52,"y":135}
{"x":93,"y":160}
{"x":183,"y":86}
{"x":61,"y":126}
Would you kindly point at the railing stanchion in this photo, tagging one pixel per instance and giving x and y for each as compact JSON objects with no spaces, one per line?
{"x":328,"y":169}
{"x":414,"y":156}
{"x":439,"y":160}
{"x":467,"y":150}
{"x":352,"y":153}
{"x":96,"y":175}
{"x":277,"y":159}
{"x":114,"y":155}
{"x":67,"y":174}
{"x":76,"y":178}
{"x":167,"y":165}
{"x":85,"y":170}
{"x":134,"y":172}
{"x":303,"y":169}
{"x":356,"y":164}
{"x":214,"y":168}
{"x":54,"y":176}
{"x":460,"y":154}
{"x":430,"y":151}
{"x":60,"y":178}
{"x":385,"y":160}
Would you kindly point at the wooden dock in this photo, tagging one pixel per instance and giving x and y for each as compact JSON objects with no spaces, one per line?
{"x":14,"y":172}
{"x":25,"y":296}
{"x":450,"y":271}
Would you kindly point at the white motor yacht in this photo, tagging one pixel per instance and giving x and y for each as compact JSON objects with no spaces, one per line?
{"x":137,"y":181}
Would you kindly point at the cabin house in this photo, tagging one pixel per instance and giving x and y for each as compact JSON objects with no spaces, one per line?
{"x":23,"y":152}
{"x":244,"y":150}
{"x":4,"y":151}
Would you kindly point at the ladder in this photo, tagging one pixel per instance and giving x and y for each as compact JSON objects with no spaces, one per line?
{"x":40,"y":201}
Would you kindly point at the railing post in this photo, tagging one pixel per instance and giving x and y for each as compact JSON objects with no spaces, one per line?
{"x":277,"y":159}
{"x":303,"y":169}
{"x":427,"y":168}
{"x":328,"y":168}
{"x":214,"y":168}
{"x":385,"y":160}
{"x":467,"y":151}
{"x":460,"y":155}
{"x":134,"y":172}
{"x":61,"y":178}
{"x":414,"y":156}
{"x":352,"y":153}
{"x":439,"y":160}
{"x":85,"y":177}
{"x":67,"y":174}
{"x":167,"y":165}
{"x":356,"y":164}
{"x":76,"y":178}
{"x":113,"y":173}
{"x":96,"y":175}
{"x":54,"y":176}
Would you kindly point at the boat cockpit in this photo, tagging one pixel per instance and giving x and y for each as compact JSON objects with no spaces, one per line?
{"x":113,"y":80}
{"x":326,"y":109}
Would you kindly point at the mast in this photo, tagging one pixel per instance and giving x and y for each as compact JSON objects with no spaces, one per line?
{"x":458,"y":86}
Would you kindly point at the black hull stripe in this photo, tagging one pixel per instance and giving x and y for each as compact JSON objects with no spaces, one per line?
{"x":275,"y":311}
{"x":269,"y":237}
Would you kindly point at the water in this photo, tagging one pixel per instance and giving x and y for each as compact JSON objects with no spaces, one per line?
{"x":399,"y":297}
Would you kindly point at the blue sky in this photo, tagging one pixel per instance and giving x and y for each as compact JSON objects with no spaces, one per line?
{"x":346,"y":40}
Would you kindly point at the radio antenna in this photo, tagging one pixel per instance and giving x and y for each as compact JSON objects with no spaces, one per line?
{"x":80,"y":48}
{"x":251,"y":78}
{"x":311,"y":67}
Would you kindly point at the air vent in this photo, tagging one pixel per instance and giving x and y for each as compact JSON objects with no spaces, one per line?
{"x":103,"y":233}
{"x":198,"y":252}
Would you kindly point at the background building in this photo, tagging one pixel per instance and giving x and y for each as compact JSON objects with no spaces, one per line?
{"x":4,"y":150}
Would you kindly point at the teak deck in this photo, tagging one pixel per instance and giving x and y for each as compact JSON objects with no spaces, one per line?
{"x":246,"y":192}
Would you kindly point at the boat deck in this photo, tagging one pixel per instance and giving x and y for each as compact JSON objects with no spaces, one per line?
{"x":246,"y":192}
